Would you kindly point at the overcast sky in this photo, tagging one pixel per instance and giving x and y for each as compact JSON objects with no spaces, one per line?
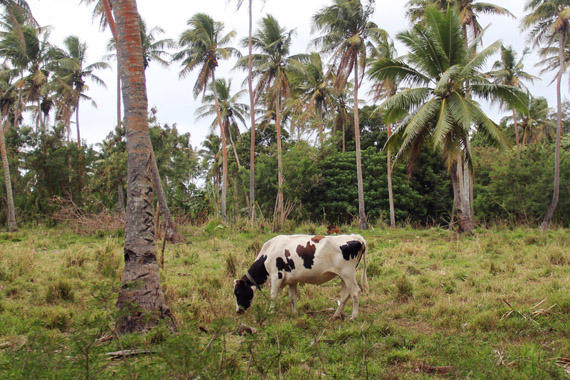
{"x":173,"y":96}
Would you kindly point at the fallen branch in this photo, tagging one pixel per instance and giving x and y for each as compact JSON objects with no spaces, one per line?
{"x":127,"y":353}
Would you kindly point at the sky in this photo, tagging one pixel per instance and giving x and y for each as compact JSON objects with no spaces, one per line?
{"x":172,"y":96}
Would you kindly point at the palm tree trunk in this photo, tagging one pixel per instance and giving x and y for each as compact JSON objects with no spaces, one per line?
{"x":140,"y":296}
{"x":172,"y":234}
{"x":280,"y":217}
{"x":111,"y":22}
{"x":119,"y":115}
{"x":252,"y":111}
{"x":461,"y":181}
{"x":516,"y":129}
{"x":556,"y":192}
{"x":121,"y":200}
{"x":228,"y":127}
{"x":12,"y":226}
{"x":361,"y":212}
{"x":390,"y":190}
{"x":224,"y":150}
{"x":80,"y":151}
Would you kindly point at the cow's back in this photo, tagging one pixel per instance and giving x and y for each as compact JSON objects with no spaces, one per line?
{"x":311,"y":259}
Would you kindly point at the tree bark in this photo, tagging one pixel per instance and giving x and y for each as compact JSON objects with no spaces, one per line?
{"x":224,"y":151}
{"x":361,"y":211}
{"x":390,"y":190}
{"x":121,"y":200}
{"x":172,"y":234}
{"x":252,"y":114}
{"x":11,"y":210}
{"x":279,"y":215}
{"x":80,"y":151}
{"x":462,"y":184}
{"x":556,"y":192}
{"x":516,"y":130}
{"x":140,"y":297}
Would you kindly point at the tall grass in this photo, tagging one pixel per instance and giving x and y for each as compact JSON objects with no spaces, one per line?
{"x":489,"y":306}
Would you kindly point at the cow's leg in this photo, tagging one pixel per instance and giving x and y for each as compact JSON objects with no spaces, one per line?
{"x":344,"y":294}
{"x":293,"y":296}
{"x":276,"y":284}
{"x":354,"y":291}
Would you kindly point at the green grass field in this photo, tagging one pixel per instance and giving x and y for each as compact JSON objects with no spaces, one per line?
{"x":495,"y":305}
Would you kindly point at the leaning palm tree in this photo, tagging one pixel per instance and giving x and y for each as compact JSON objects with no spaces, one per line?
{"x":549,"y":22}
{"x":346,"y":29}
{"x":231,"y":110}
{"x":271,"y":67}
{"x":140,"y":298}
{"x":435,"y":109}
{"x":511,"y":72}
{"x":203,"y":45}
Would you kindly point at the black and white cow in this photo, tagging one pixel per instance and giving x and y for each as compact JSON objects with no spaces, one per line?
{"x":290,"y":259}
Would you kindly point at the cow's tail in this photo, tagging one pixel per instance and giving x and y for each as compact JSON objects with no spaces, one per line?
{"x":364,"y":279}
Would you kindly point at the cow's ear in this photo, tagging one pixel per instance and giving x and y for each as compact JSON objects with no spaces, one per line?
{"x":240,"y":282}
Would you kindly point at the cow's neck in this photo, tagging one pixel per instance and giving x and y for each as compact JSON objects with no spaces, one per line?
{"x":257,"y":272}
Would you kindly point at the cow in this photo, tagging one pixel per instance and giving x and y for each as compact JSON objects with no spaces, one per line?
{"x":292,"y":259}
{"x":332,"y":229}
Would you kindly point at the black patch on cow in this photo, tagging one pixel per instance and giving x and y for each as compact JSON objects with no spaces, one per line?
{"x":280,"y":275}
{"x":243,"y":293}
{"x":288,"y":265}
{"x":307,"y":254}
{"x":350,"y":249}
{"x":257,"y":271}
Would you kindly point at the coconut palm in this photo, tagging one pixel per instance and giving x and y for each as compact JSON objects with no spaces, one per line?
{"x":313,"y":86}
{"x":468,"y":12}
{"x":271,"y":65}
{"x":510,"y":72}
{"x":435,"y":109}
{"x":231,"y":110}
{"x":8,"y":97}
{"x":549,"y":22}
{"x":384,"y":48}
{"x":252,"y":113}
{"x":72,"y":73}
{"x":203,"y":45}
{"x":346,"y":29}
{"x":140,"y":298}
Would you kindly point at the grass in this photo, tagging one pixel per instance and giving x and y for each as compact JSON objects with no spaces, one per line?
{"x":493,"y":305}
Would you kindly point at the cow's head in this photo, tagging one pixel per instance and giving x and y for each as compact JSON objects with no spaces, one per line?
{"x":244,"y":295}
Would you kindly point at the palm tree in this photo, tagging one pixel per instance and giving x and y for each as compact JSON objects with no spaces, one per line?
{"x":203,"y":46}
{"x":468,"y":12}
{"x":230,"y":109}
{"x":346,"y":29}
{"x":510,"y":72}
{"x":140,"y":296}
{"x":436,"y":109}
{"x":8,"y":96}
{"x":314,"y":88}
{"x":211,"y":156}
{"x":72,"y":73}
{"x":252,"y":113}
{"x":104,"y":11}
{"x":270,"y":67}
{"x":384,"y":48}
{"x":549,"y":21}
